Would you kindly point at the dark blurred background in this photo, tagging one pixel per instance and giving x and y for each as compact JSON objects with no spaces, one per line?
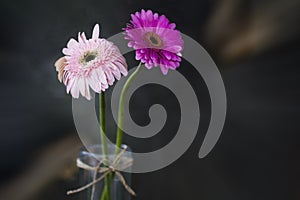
{"x":254,"y":43}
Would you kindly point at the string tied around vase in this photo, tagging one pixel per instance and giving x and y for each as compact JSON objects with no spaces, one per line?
{"x":114,"y":167}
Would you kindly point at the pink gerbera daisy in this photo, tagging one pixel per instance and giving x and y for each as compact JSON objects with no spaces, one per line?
{"x":94,"y":63}
{"x":155,"y":39}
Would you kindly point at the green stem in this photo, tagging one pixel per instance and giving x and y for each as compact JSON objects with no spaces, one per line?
{"x":105,"y":194}
{"x":102,"y":123}
{"x":121,"y":107}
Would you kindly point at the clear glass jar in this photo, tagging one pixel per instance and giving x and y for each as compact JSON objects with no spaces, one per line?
{"x":92,"y":157}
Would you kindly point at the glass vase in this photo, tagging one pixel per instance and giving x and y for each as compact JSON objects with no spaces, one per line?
{"x":92,"y":158}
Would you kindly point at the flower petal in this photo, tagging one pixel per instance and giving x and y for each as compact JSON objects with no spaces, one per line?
{"x":96,"y":32}
{"x":60,"y":66}
{"x":72,"y":43}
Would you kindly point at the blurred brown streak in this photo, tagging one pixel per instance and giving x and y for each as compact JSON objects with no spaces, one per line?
{"x":53,"y":161}
{"x":238,"y":28}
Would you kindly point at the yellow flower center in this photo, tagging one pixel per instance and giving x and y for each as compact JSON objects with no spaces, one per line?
{"x":153,"y":39}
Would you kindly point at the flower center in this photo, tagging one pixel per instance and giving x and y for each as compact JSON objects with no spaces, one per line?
{"x":153,"y":39}
{"x":88,"y":57}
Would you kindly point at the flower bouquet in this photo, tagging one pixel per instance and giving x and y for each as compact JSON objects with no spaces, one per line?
{"x":95,"y":64}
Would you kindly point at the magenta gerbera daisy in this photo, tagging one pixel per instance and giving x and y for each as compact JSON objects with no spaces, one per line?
{"x":155,"y":39}
{"x":90,"y":63}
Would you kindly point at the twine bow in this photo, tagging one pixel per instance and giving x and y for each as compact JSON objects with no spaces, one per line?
{"x":114,"y":167}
